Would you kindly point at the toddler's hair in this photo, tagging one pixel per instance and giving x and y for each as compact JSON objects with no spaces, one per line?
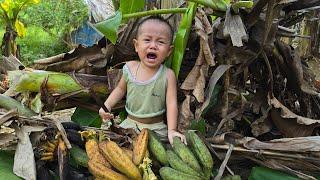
{"x":159,"y":19}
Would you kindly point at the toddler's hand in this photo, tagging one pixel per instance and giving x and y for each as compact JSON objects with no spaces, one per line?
{"x":173,"y":133}
{"x":105,"y":115}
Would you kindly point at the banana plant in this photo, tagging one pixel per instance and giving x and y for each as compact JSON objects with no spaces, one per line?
{"x":181,"y":39}
{"x":129,"y":9}
{"x":9,"y":12}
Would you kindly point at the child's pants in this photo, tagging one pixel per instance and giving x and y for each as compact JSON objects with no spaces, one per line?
{"x":159,"y":128}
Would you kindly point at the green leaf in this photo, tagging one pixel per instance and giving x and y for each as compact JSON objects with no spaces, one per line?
{"x":230,"y":177}
{"x":199,"y":125}
{"x":259,"y":173}
{"x":110,"y":27}
{"x":86,"y":117}
{"x":6,"y":166}
{"x":123,"y":115}
{"x":181,"y":39}
{"x":131,"y":6}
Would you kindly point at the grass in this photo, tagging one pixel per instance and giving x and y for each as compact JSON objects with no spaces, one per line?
{"x":37,"y":44}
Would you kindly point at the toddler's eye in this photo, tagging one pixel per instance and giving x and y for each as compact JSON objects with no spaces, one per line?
{"x":146,"y":40}
{"x":162,"y":42}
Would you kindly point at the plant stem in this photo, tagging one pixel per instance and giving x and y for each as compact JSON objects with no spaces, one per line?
{"x":9,"y":103}
{"x":154,"y":12}
{"x":241,"y":4}
{"x":220,"y":5}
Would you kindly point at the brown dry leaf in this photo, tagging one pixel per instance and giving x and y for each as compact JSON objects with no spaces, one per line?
{"x":190,"y":82}
{"x":207,"y":52}
{"x":203,"y":28}
{"x":8,"y":115}
{"x":286,"y":113}
{"x":227,"y":138}
{"x":185,"y":115}
{"x":299,"y":144}
{"x":81,"y":57}
{"x":7,"y":139}
{"x":205,"y":70}
{"x":261,"y":125}
{"x":198,"y":113}
{"x":198,"y":24}
{"x":289,"y":123}
{"x":216,"y":75}
{"x":200,"y":58}
{"x":205,"y":21}
{"x":299,"y":164}
{"x":289,"y":127}
{"x":198,"y":91}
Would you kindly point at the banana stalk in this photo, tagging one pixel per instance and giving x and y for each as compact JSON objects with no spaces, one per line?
{"x":10,"y":103}
{"x":56,"y":83}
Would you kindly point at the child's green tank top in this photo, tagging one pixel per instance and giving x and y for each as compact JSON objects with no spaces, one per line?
{"x":146,"y":98}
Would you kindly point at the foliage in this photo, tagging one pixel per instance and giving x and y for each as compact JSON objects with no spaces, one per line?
{"x":110,"y":26}
{"x":258,"y":173}
{"x":131,"y":6}
{"x":199,"y":125}
{"x":6,"y":164}
{"x":182,"y":37}
{"x":9,"y":11}
{"x":47,"y":31}
{"x":39,"y":44}
{"x":67,"y":16}
{"x":86,"y":117}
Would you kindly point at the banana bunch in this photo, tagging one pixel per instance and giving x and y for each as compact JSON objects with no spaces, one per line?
{"x":182,"y":162}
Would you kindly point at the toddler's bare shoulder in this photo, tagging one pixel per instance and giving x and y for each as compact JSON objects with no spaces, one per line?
{"x":132,"y":64}
{"x":170,"y":73}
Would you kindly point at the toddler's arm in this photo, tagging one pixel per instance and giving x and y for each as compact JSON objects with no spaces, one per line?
{"x":172,"y":107}
{"x":115,"y":96}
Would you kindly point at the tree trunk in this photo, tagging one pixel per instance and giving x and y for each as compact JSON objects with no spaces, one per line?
{"x":9,"y":45}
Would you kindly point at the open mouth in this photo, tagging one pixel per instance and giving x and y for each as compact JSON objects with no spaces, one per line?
{"x":151,"y":56}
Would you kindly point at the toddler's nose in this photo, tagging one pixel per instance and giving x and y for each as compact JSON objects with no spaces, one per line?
{"x":153,"y":45}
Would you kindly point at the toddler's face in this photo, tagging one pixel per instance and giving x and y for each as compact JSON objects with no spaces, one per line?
{"x":153,"y":43}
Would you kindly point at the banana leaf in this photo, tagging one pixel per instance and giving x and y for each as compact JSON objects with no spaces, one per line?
{"x":86,"y":117}
{"x":258,"y":173}
{"x":181,"y":39}
{"x":110,"y":27}
{"x":6,"y":166}
{"x":131,"y":6}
